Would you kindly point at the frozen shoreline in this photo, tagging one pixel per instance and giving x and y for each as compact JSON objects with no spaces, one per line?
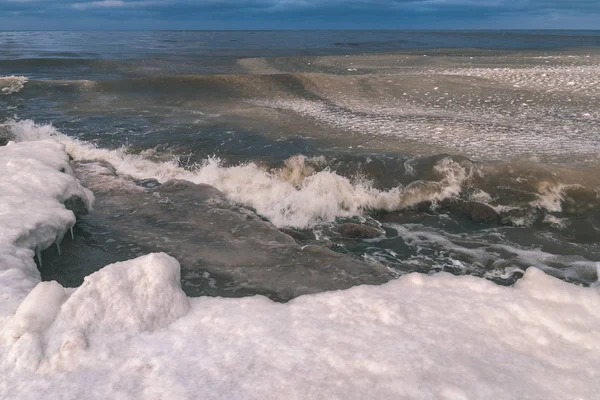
{"x":129,"y":331}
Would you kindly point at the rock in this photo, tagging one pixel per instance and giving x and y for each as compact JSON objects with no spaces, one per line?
{"x":77,"y":205}
{"x":5,"y":136}
{"x":579,"y":201}
{"x":224,"y":249}
{"x":480,"y":212}
{"x":356,"y":231}
{"x":149,"y":183}
{"x":299,"y":235}
{"x":584,"y":231}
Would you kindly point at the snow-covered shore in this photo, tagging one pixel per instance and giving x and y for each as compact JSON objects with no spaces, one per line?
{"x":130,"y":332}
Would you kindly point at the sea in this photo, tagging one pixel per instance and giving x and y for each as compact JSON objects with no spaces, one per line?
{"x":291,"y":162}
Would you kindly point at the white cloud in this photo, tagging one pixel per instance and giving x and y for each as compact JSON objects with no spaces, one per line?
{"x":97,"y":4}
{"x":116,"y":4}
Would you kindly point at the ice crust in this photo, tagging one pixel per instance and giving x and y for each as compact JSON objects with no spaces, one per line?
{"x":129,"y":332}
{"x":36,"y":179}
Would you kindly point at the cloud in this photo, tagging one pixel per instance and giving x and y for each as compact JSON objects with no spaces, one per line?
{"x":105,"y":3}
{"x":304,"y":13}
{"x":116,"y":4}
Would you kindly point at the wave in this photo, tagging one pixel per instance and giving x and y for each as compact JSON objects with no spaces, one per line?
{"x":295,"y":195}
{"x":305,"y":191}
{"x":12,"y":84}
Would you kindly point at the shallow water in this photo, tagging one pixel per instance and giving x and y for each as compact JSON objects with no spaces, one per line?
{"x":479,"y":162}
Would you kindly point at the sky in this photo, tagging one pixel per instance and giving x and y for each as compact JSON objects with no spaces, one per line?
{"x":298,"y":14}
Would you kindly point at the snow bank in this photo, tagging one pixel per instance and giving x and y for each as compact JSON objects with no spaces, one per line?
{"x":419,"y":337}
{"x":116,"y":303}
{"x":129,"y":332}
{"x":35,"y":180}
{"x":127,"y":298}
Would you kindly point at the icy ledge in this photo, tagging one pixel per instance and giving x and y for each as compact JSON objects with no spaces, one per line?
{"x":129,"y":332}
{"x":36,"y":181}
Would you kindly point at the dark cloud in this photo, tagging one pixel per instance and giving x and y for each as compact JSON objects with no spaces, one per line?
{"x":256,"y":14}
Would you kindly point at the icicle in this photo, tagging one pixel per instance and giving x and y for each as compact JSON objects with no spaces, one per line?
{"x":72,"y":235}
{"x":38,"y":254}
{"x":58,"y":241}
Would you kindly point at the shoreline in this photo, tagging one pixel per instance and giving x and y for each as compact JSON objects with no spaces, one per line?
{"x":134,"y":317}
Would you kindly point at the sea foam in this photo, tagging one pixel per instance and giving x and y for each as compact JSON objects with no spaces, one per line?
{"x":12,"y":84}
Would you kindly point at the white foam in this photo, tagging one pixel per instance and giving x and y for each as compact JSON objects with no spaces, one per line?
{"x":490,"y":247}
{"x":580,"y":78}
{"x":495,"y":122}
{"x":550,"y":196}
{"x":129,"y":332}
{"x":12,"y":84}
{"x":296,"y":196}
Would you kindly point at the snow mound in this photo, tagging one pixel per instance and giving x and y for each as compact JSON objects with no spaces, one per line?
{"x":129,"y":297}
{"x":38,"y":310}
{"x":117,"y":302}
{"x":418,"y":337}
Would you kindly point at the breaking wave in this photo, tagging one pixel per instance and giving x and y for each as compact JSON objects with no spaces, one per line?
{"x":295,"y":195}
{"x":306,"y":191}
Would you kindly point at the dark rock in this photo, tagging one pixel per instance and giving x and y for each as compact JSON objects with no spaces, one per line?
{"x":480,"y":212}
{"x":77,"y":205}
{"x":224,"y":249}
{"x":579,"y":201}
{"x":356,"y":231}
{"x":584,"y":231}
{"x":452,"y":204}
{"x":5,"y":136}
{"x":148,"y":183}
{"x":301,"y":236}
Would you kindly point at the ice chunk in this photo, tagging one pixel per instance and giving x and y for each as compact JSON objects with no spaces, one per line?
{"x":128,"y":297}
{"x":38,"y":310}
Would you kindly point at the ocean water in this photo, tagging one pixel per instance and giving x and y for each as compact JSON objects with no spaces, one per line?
{"x":383,"y":153}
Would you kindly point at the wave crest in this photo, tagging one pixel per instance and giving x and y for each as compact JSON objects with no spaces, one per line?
{"x":297,"y":195}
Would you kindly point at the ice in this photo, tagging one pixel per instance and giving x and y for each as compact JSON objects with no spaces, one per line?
{"x":419,"y":337}
{"x":126,"y":298}
{"x":38,"y":310}
{"x":36,"y":179}
{"x":583,"y":78}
